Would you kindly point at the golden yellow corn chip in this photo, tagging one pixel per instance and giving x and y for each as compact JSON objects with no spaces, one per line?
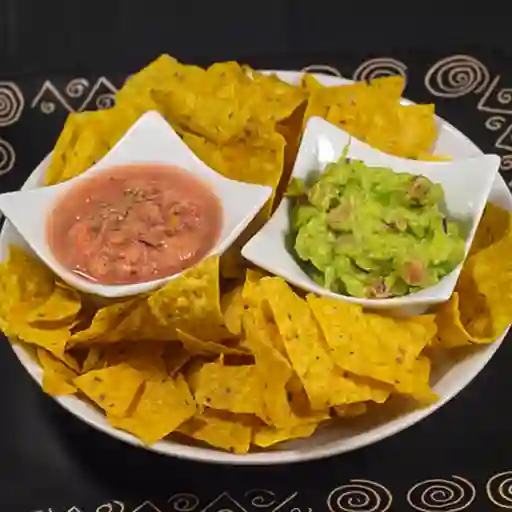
{"x":161,"y":409}
{"x":175,"y":358}
{"x":145,"y":357}
{"x":415,"y":382}
{"x":63,"y":305}
{"x":191,"y":98}
{"x":237,"y":389}
{"x":388,"y":87}
{"x":57,"y":377}
{"x":274,"y":369}
{"x":309,"y":83}
{"x":93,"y":360}
{"x":491,"y":270}
{"x":265,"y":436}
{"x":370,"y":345}
{"x":272,"y":99}
{"x":192,"y":302}
{"x":232,"y":433}
{"x":244,"y":160}
{"x":26,"y":282}
{"x":105,"y":321}
{"x":197,"y":346}
{"x":232,"y":305}
{"x":52,"y":340}
{"x":113,"y":389}
{"x":495,"y":224}
{"x":61,"y":153}
{"x":324,"y":384}
{"x":350,"y":410}
{"x":451,"y":332}
{"x":139,"y":324}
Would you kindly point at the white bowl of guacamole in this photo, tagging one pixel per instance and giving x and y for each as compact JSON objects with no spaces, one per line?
{"x":371,"y":228}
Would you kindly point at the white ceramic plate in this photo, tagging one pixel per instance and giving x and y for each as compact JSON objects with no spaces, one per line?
{"x":449,"y":379}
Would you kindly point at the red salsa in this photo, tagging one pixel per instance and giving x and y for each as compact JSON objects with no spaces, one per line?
{"x":134,"y":223}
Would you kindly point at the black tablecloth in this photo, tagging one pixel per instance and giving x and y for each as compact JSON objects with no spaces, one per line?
{"x":53,"y":62}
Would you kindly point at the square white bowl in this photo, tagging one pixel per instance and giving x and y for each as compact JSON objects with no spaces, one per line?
{"x":150,"y":140}
{"x":466,"y":184}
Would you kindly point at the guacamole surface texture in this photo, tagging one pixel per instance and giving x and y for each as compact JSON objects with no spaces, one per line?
{"x":373,"y":233}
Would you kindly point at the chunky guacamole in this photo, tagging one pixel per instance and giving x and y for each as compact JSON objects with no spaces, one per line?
{"x":370,"y":232}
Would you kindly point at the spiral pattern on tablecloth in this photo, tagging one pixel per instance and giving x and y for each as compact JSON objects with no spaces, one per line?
{"x":183,"y":502}
{"x":7,"y":157}
{"x":11,"y":103}
{"x":495,"y":123}
{"x":380,"y":67}
{"x":499,"y":489}
{"x":77,"y":87}
{"x":111,"y":506}
{"x":261,"y":498}
{"x":322,"y":68}
{"x":456,"y":76}
{"x":442,"y":495}
{"x":360,"y":496}
{"x":106,"y":100}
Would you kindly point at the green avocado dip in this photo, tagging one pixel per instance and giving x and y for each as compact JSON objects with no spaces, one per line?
{"x":370,"y":232}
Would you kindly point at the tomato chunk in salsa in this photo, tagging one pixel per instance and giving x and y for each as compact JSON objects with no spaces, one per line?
{"x":134,"y":223}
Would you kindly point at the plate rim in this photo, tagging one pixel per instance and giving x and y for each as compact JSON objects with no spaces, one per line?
{"x":273,"y":456}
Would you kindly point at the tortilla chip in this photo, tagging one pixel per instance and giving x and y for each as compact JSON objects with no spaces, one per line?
{"x":369,"y":345}
{"x":52,"y":340}
{"x":388,"y":88}
{"x":93,"y":360}
{"x":145,"y":357}
{"x":25,"y":281}
{"x":372,"y":113}
{"x":266,"y":436}
{"x":161,"y":409}
{"x":451,"y":332}
{"x":232,"y":305}
{"x":192,"y":302}
{"x":491,"y":270}
{"x":139,"y":324}
{"x":415,"y":382}
{"x":272,"y":99}
{"x":63,"y":305}
{"x":309,"y":83}
{"x":192,"y":99}
{"x":350,"y":410}
{"x":237,"y":389}
{"x":274,"y":369}
{"x":197,"y":346}
{"x":324,"y":384}
{"x":257,"y":160}
{"x":105,"y":321}
{"x":227,"y":432}
{"x":495,"y":224}
{"x":57,"y":377}
{"x":113,"y":389}
{"x":175,"y":358}
{"x":67,"y":139}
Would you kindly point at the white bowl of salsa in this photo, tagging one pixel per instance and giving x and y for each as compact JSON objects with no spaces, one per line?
{"x":466,"y":185}
{"x":138,"y":218}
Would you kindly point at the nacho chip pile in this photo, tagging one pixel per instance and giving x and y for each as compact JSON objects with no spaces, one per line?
{"x":253,"y":366}
{"x":247,"y":362}
{"x":244,"y":124}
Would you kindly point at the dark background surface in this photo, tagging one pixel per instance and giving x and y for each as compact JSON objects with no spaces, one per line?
{"x":51,"y":462}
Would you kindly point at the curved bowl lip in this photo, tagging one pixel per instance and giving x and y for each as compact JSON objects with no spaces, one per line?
{"x":275,"y":457}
